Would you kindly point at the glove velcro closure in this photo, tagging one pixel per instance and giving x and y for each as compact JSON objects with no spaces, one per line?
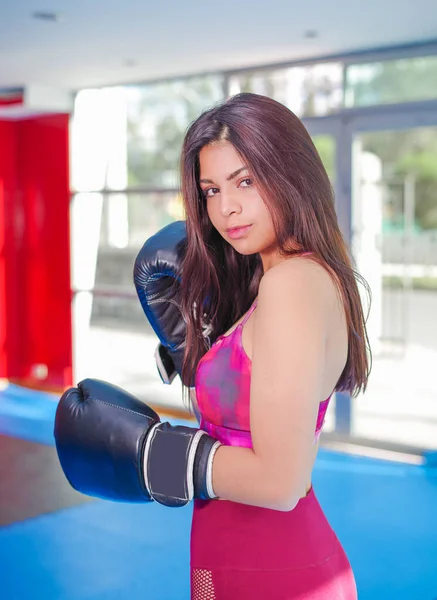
{"x":177,"y":464}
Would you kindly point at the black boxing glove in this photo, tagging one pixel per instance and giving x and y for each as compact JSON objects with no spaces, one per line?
{"x":157,"y":282}
{"x":157,"y":279}
{"x":113,"y":446}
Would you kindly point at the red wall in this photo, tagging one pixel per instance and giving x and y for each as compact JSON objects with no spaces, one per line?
{"x":8,"y":182}
{"x":35,"y":294}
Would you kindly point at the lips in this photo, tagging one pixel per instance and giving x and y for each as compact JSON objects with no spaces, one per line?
{"x":238,"y":232}
{"x":236,"y":227}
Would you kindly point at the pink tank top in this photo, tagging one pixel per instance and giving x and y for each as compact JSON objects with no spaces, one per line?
{"x":222,"y":386}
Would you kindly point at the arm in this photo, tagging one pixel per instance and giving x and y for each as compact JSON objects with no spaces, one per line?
{"x":112,"y":445}
{"x":289,"y":344}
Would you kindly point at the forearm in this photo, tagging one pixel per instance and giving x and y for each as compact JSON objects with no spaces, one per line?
{"x":241,"y":476}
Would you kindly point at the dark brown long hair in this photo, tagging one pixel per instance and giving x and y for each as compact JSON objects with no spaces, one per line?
{"x":218,"y":283}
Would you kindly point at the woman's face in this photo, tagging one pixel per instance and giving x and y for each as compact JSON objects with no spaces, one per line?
{"x":233,"y":200}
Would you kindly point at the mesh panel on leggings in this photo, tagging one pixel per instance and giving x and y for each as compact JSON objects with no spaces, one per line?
{"x":202,"y":587}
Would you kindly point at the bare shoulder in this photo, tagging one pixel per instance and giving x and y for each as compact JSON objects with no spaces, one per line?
{"x":298,"y":328}
{"x":299,"y":280}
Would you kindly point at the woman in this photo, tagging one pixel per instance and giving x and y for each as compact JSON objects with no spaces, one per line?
{"x":266,"y":257}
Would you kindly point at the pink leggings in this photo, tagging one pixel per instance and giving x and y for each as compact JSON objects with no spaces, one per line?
{"x":247,"y":553}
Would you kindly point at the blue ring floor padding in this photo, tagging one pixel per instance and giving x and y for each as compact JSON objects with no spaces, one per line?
{"x":27,"y":414}
{"x":384,"y":513}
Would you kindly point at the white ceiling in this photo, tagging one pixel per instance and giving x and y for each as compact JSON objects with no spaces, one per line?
{"x":95,"y":39}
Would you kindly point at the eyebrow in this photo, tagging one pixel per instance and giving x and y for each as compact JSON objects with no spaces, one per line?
{"x":231,"y":176}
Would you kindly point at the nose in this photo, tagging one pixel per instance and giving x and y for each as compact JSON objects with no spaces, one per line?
{"x":229,"y":203}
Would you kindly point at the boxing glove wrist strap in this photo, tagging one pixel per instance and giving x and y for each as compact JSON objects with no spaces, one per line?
{"x":177,"y":464}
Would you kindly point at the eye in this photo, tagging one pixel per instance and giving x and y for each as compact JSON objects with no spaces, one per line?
{"x":247,"y":181}
{"x":207,"y":194}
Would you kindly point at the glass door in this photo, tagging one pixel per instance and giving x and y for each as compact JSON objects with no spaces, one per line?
{"x":394,"y":243}
{"x":385,"y":180}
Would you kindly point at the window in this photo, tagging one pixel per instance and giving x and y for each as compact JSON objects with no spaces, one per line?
{"x":388,"y":82}
{"x":313,"y":90}
{"x":157,"y":118}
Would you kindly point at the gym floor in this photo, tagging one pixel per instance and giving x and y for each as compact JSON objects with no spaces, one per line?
{"x":56,"y":544}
